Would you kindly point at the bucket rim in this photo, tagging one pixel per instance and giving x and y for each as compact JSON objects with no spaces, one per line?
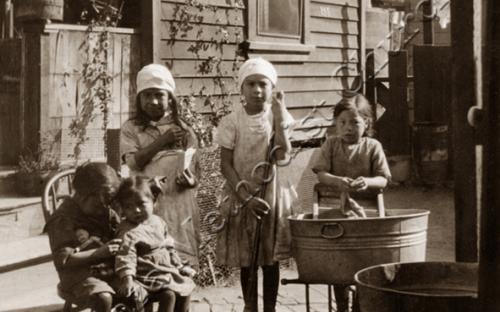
{"x":415,"y":213}
{"x":411,"y":293}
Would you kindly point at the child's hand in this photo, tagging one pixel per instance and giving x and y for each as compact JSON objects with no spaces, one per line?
{"x":172,"y":135}
{"x":278,"y":105}
{"x":127,"y":287}
{"x":258,"y":207}
{"x":359,"y":184}
{"x":344,"y":184}
{"x":186,"y":179}
{"x":109,"y":249}
{"x":187,"y":271}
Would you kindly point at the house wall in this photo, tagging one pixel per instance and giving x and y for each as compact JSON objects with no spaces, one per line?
{"x":308,"y":74}
{"x":61,"y":85}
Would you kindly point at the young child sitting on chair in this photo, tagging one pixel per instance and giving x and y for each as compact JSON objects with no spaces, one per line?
{"x":89,"y":210}
{"x":147,"y":263}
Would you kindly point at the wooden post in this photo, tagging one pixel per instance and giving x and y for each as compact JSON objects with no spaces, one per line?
{"x":150,"y":32}
{"x":31,"y":92}
{"x":370,"y":76}
{"x":428,"y":22}
{"x":398,"y":86}
{"x":489,"y":259}
{"x":464,"y":163}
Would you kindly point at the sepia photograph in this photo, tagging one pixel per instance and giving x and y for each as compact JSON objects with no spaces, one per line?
{"x":250,"y":155}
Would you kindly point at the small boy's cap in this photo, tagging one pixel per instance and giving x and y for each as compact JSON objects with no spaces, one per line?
{"x":257,"y":66}
{"x":155,"y":76}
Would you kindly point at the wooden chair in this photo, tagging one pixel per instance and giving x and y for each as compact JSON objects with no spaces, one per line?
{"x":58,"y":188}
{"x":325,"y":195}
{"x":328,"y":196}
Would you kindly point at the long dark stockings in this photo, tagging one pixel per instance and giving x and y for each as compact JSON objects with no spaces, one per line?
{"x":271,"y":274}
{"x":341,"y":297}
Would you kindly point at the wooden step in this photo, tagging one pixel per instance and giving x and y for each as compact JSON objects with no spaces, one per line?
{"x":23,"y":253}
{"x":20,"y":218}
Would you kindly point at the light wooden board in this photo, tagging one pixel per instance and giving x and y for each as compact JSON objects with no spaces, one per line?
{"x":221,"y":16}
{"x":217,"y":3}
{"x":333,"y":26}
{"x":334,"y":40}
{"x":188,"y":86}
{"x":352,"y":3}
{"x":179,"y":50}
{"x":230,"y":34}
{"x":326,"y":10}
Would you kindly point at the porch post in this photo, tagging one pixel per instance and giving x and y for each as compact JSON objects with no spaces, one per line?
{"x":489,"y":264}
{"x":464,"y":153}
{"x":150,"y":32}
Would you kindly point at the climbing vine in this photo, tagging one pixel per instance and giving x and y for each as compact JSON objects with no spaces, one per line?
{"x":188,"y":18}
{"x":95,"y":74}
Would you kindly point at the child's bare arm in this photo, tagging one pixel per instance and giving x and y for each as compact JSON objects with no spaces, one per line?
{"x":343,"y":184}
{"x":281,"y":136}
{"x":363,"y":183}
{"x":144,"y":156}
{"x":126,"y":264}
{"x":92,"y":256}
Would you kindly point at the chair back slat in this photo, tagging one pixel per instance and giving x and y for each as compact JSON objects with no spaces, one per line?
{"x":328,"y":196}
{"x":53,"y":196}
{"x":57,"y":188}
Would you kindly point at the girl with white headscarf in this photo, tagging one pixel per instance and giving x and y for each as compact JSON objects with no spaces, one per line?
{"x":152,"y":144}
{"x":245,"y":138}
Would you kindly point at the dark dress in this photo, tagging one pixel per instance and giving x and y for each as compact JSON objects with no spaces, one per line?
{"x":78,"y":282}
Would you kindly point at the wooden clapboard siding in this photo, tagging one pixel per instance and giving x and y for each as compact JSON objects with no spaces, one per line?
{"x":329,"y":26}
{"x":174,"y":48}
{"x":188,"y":69}
{"x":62,"y":86}
{"x":293,"y":100}
{"x":334,"y":29}
{"x":216,"y":3}
{"x":179,"y":51}
{"x":319,"y":10}
{"x":308,"y":76}
{"x":207,"y":34}
{"x":348,"y":3}
{"x":185,"y":86}
{"x":221,"y":16}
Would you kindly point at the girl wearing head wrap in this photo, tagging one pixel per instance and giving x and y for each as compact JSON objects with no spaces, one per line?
{"x":153,"y":143}
{"x":246,"y":140}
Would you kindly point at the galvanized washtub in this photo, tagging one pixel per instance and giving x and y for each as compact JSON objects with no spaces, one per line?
{"x":418,"y":287}
{"x":331,"y":249}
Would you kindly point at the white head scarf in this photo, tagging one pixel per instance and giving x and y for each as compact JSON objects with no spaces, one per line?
{"x":155,"y":76}
{"x":257,"y":66}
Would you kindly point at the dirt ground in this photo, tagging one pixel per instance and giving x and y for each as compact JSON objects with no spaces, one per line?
{"x":439,"y":201}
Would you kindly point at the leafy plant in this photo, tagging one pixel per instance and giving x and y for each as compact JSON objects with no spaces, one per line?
{"x":96,"y":74}
{"x":41,"y":160}
{"x":188,"y":17}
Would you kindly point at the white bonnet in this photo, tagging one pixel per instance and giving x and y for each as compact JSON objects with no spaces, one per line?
{"x":257,"y":66}
{"x":155,"y":76}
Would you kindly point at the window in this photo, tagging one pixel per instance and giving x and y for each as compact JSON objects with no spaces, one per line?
{"x":280,"y":18}
{"x":277,"y":21}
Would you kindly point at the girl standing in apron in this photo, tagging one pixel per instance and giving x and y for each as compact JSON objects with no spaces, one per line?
{"x":246,"y":139}
{"x":154,"y":143}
